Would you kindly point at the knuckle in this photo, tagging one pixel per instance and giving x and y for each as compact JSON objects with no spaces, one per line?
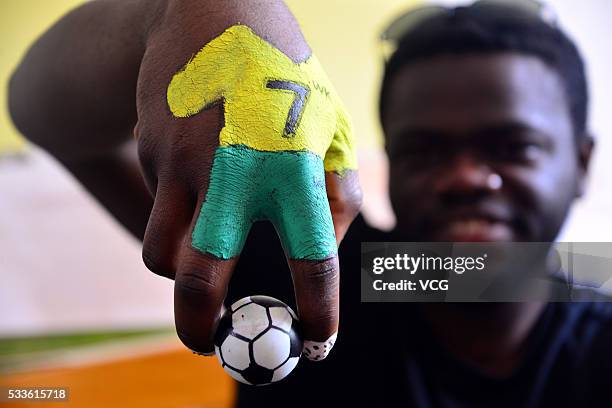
{"x":348,"y":206}
{"x":146,"y":158}
{"x":199,"y":284}
{"x":352,"y":207}
{"x":156,"y":263}
{"x":156,"y":254}
{"x":147,"y":145}
{"x":355,"y":199}
{"x":324,"y":275}
{"x":345,"y":195}
{"x":145,"y":150}
{"x":324,"y":270}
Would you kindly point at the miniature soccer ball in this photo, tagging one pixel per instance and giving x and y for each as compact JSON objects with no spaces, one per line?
{"x":258,"y":340}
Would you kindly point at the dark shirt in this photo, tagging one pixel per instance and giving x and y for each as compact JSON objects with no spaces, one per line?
{"x":386,"y":357}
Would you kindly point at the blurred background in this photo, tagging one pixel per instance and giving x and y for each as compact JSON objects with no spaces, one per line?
{"x":78,"y":308}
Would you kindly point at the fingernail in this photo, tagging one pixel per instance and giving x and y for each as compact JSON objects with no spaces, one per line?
{"x":318,"y":350}
{"x":212,"y":353}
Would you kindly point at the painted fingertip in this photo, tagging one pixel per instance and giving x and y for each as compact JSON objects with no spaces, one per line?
{"x":319,"y":350}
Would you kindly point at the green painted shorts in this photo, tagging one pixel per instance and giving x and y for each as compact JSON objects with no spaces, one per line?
{"x":285,"y":187}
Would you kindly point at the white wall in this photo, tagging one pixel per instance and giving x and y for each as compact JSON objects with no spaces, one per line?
{"x":65,"y":265}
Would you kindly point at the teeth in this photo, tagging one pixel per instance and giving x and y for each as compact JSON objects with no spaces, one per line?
{"x":479,"y":226}
{"x":470,"y":226}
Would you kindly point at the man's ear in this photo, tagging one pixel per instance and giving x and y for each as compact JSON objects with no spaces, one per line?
{"x":585,"y":145}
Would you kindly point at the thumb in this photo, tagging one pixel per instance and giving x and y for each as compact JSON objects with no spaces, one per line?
{"x":345,"y":198}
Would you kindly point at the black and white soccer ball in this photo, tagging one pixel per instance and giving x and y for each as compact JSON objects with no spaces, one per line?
{"x":258,"y":340}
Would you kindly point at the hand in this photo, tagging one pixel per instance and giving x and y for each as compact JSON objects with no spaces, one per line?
{"x":234,"y":133}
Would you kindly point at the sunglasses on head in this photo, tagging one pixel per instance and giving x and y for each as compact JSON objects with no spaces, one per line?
{"x":494,"y":9}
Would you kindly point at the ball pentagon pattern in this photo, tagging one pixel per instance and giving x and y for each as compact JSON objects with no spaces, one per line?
{"x":258,"y":340}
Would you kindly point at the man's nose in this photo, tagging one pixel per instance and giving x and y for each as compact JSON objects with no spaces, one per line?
{"x":467,"y":174}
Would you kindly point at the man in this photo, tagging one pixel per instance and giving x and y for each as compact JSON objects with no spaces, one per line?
{"x":484,"y":111}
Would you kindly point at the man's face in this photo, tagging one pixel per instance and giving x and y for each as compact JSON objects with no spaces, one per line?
{"x":481,"y":148}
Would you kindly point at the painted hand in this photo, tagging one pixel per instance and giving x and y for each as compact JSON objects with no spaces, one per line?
{"x":246,"y":134}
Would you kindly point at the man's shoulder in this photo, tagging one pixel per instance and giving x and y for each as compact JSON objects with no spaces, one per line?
{"x":593,"y":320}
{"x":585,"y":319}
{"x":589,"y":345}
{"x":590,"y":335}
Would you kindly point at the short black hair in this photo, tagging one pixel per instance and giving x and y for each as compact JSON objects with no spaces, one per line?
{"x":466,"y":30}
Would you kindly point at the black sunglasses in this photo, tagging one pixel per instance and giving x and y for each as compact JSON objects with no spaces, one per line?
{"x":507,"y":9}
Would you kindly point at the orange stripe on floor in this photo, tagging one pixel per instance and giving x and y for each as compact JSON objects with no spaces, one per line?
{"x":173,"y":379}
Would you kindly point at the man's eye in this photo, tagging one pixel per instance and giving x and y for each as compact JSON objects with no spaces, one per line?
{"x":421,"y":155}
{"x":518,"y":151}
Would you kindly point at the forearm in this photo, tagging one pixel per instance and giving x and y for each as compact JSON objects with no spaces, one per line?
{"x":76,"y":86}
{"x":74,"y":91}
{"x":74,"y":95}
{"x":115,"y":181}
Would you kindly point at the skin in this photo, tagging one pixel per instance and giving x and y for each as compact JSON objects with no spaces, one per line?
{"x":454,"y":124}
{"x":109,"y":64}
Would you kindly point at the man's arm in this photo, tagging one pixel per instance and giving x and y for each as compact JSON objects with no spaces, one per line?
{"x":115,"y":180}
{"x":74,"y":94}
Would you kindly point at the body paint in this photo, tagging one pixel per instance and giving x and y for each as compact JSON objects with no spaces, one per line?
{"x":284,"y":127}
{"x":270,"y":102}
{"x":318,"y":350}
{"x":287,"y":188}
